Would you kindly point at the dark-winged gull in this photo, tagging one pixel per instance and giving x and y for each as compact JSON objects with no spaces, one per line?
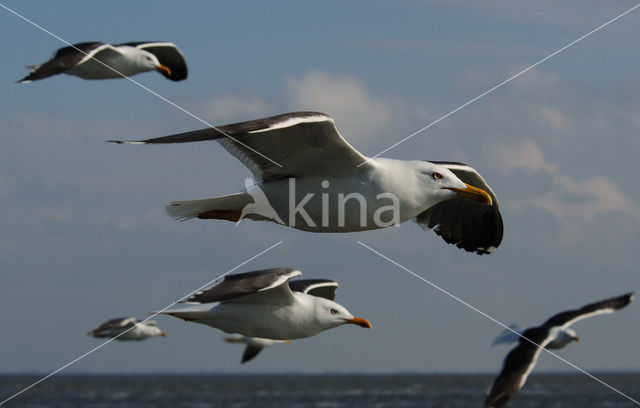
{"x":261,"y":304}
{"x":99,"y":60}
{"x":316,"y":287}
{"x":254,"y":345}
{"x":313,"y":180}
{"x":134,"y":330}
{"x":552,"y":334}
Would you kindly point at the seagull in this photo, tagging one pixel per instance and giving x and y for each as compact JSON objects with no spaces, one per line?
{"x":316,"y":181}
{"x":99,"y":60}
{"x":262,"y":304}
{"x":254,"y":345}
{"x":317,"y":287}
{"x":552,"y":334}
{"x":127,"y":328}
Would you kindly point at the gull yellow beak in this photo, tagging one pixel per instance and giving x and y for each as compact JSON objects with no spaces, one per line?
{"x":163,"y":334}
{"x":576,"y":338}
{"x":472,"y":193}
{"x":359,"y":322}
{"x":287,"y":341}
{"x":163,"y":70}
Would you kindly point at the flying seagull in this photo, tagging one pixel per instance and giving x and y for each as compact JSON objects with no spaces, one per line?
{"x":552,"y":334}
{"x":99,"y":60}
{"x":254,"y":345}
{"x":262,"y":304}
{"x":315,"y":181}
{"x":317,"y":287}
{"x":127,"y":328}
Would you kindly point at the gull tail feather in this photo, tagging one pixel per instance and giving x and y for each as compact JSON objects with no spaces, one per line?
{"x":223,"y":208}
{"x":233,"y":339}
{"x":185,"y":314}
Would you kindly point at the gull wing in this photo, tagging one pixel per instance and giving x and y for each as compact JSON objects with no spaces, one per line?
{"x":100,"y":52}
{"x":324,"y":288}
{"x":266,"y":286}
{"x":63,"y":59}
{"x":565,"y":319}
{"x":250,"y":352}
{"x":517,"y":366}
{"x":470,"y":225}
{"x":118,"y":323}
{"x":168,"y":54}
{"x":508,"y":335}
{"x":288,"y":145}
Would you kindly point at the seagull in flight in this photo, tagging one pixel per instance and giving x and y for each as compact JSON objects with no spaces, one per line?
{"x":99,"y":60}
{"x":555,"y":333}
{"x":315,"y":181}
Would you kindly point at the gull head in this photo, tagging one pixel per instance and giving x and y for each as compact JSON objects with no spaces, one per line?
{"x":148,"y":62}
{"x":150,"y":329}
{"x":329,"y":314}
{"x":562,"y":337}
{"x":439,"y":184}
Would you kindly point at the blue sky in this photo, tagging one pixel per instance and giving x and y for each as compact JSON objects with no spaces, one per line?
{"x":85,"y":238}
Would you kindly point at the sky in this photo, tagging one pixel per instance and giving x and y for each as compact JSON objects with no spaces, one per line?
{"x":84,"y":236}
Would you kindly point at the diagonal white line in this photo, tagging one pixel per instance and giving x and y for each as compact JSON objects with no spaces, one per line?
{"x":502,"y":83}
{"x":495,"y":321}
{"x":153,"y":315}
{"x":139,"y":84}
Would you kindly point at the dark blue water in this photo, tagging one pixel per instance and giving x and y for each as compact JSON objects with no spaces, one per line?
{"x":316,"y":391}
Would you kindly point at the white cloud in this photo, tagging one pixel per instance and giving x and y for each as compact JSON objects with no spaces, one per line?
{"x":526,"y":156}
{"x":558,"y":121}
{"x":566,"y":196}
{"x":361,"y":116}
{"x":229,"y":107}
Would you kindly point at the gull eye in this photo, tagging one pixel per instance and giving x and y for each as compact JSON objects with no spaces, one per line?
{"x":334,"y":311}
{"x":436,"y":176}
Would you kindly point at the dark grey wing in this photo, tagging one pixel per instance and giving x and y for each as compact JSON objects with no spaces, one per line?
{"x":472,"y":226}
{"x":62,"y":60}
{"x":107,"y":328}
{"x":565,"y":319}
{"x":168,"y":54}
{"x":324,"y":288}
{"x":517,"y":366}
{"x":243,"y":285}
{"x":250,"y":352}
{"x":117,"y":323}
{"x":282,"y":146}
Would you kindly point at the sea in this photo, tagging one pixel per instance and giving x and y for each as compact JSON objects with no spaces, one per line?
{"x":314,"y":391}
